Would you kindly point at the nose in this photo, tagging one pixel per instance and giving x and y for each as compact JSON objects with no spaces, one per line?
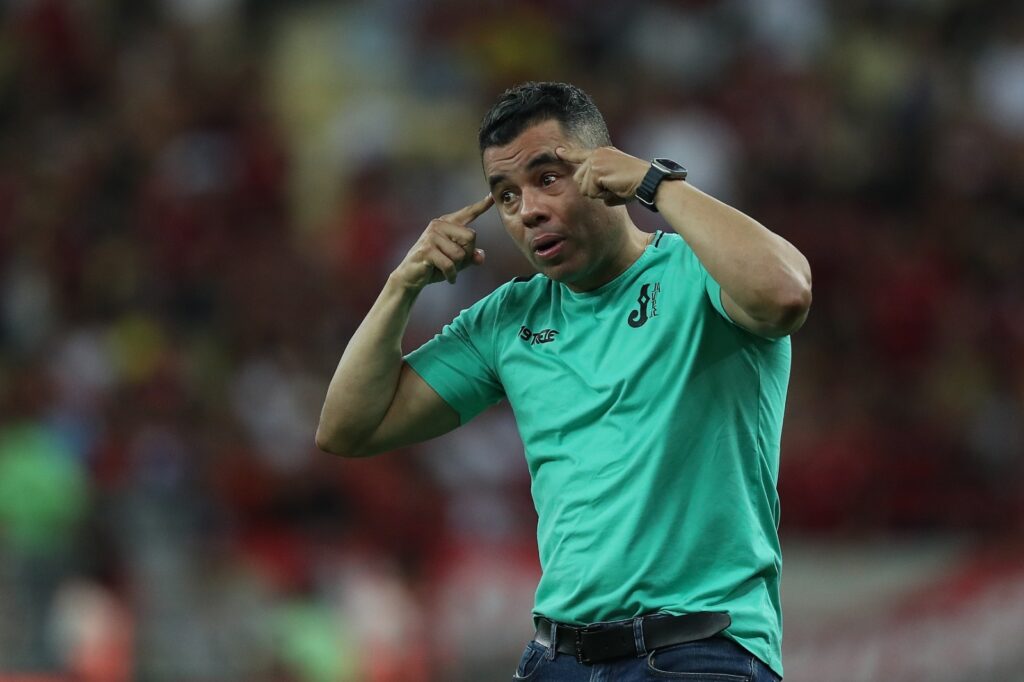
{"x":532,"y":208}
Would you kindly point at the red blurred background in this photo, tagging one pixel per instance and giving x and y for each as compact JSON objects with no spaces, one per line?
{"x":200,"y":198}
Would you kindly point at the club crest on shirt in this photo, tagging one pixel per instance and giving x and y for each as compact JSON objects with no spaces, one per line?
{"x":533,"y":338}
{"x":648,"y":305}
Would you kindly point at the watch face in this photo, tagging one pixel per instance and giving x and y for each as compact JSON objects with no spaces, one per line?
{"x":670,"y":165}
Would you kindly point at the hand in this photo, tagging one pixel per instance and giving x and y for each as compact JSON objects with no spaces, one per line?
{"x":605,"y":173}
{"x":447,"y":246}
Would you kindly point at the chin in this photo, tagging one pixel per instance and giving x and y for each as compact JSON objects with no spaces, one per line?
{"x":559,"y":272}
{"x":563,"y":275}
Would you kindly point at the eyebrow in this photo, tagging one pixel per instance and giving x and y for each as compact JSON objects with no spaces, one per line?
{"x":542,"y":159}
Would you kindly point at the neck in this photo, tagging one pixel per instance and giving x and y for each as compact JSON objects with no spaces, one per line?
{"x":622,"y":254}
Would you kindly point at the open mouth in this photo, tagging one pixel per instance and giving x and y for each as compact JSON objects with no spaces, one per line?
{"x":547,"y":245}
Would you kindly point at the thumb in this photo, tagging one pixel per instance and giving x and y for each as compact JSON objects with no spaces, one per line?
{"x":478,"y":256}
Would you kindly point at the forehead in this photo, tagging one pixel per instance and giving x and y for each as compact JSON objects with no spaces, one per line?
{"x":537,"y":139}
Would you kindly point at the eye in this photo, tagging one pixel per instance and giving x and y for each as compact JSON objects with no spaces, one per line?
{"x":507,"y":196}
{"x":548,"y":179}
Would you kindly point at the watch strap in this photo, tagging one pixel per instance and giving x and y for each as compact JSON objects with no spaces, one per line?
{"x":658,"y":171}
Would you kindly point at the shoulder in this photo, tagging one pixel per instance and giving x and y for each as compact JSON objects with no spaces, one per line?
{"x":670,"y":247}
{"x":509,"y":298}
{"x":665,"y":245}
{"x":669,"y":243}
{"x":524,"y":290}
{"x":666,"y":240}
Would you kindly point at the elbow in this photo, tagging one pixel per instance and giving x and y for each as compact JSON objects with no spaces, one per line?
{"x":334,"y":443}
{"x":793,"y":314}
{"x":324,"y":443}
{"x":327,"y":443}
{"x":790,"y":306}
{"x":783,"y":308}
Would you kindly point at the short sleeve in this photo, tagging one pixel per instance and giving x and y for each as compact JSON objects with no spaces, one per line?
{"x":458,"y":362}
{"x":714,"y":291}
{"x":691,"y":264}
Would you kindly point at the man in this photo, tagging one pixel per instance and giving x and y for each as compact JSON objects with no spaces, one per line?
{"x":647,"y":374}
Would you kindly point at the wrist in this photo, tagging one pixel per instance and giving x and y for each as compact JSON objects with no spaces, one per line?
{"x":401,"y":287}
{"x":660,"y":171}
{"x":669,"y":192}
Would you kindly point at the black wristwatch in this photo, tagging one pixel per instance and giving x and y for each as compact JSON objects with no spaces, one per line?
{"x":661,"y":169}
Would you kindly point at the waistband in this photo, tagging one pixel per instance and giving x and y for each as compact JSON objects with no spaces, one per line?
{"x":629,"y":638}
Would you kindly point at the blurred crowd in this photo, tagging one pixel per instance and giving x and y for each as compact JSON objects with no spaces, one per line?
{"x":200,"y":199}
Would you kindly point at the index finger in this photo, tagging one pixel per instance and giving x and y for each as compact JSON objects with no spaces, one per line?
{"x":572,"y":155}
{"x":464,"y":216}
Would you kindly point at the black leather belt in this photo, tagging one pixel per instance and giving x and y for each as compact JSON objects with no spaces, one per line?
{"x":621,"y":639}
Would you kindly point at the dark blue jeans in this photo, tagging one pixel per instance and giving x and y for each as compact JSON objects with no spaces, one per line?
{"x":715,"y":659}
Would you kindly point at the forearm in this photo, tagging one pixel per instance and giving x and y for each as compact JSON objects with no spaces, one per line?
{"x":766,"y":282}
{"x":763,"y":274}
{"x":366,"y":378}
{"x":369,"y":405}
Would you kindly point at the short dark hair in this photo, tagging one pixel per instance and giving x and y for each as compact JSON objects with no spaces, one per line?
{"x":530,"y":103}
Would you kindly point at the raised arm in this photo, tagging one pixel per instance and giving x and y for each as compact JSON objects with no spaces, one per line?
{"x":765,"y":280}
{"x":375,"y":402}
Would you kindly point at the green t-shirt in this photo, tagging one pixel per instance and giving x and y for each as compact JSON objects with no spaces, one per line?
{"x":651,"y":425}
